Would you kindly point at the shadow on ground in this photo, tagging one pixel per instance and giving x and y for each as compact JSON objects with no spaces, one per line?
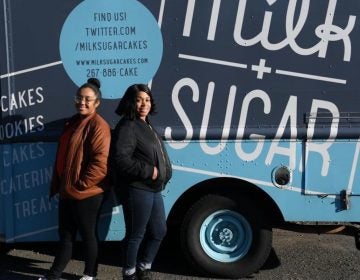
{"x":170,"y":259}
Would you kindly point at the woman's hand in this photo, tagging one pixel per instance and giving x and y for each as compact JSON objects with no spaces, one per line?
{"x":155,"y":173}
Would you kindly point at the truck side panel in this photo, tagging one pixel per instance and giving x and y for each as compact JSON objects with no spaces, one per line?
{"x":243,"y":89}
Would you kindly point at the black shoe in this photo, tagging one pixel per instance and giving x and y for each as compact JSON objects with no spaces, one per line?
{"x":130,"y":277}
{"x":144,"y":274}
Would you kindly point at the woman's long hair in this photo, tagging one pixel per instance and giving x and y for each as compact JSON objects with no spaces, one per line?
{"x":127,"y":104}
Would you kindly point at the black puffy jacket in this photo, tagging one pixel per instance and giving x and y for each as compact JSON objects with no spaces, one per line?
{"x":136,"y":149}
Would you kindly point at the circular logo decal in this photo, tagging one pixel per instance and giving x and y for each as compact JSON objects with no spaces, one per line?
{"x":117,"y":41}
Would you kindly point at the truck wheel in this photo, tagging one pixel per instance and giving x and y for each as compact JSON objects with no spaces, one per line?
{"x":226,"y":237}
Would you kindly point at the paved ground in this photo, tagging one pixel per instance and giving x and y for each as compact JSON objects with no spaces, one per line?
{"x":294,"y":256}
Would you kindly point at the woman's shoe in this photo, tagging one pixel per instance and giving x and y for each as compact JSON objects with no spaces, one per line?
{"x":144,"y":274}
{"x":130,"y":277}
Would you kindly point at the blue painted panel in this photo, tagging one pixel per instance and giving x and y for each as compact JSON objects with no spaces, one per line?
{"x":332,"y":167}
{"x":24,"y":189}
{"x":30,"y":216}
{"x":193,"y":165}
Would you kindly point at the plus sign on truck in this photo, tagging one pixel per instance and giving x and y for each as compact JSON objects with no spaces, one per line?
{"x":258,"y":106}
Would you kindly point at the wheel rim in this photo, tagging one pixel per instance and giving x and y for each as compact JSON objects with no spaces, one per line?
{"x":226,"y":236}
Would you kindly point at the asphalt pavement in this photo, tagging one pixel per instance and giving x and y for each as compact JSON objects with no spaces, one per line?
{"x":294,"y":256}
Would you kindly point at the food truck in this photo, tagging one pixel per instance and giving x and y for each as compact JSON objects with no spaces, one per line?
{"x":258,"y":103}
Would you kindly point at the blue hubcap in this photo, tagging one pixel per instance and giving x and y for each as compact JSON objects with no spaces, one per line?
{"x":226,"y":236}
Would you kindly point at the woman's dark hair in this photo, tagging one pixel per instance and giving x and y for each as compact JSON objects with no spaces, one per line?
{"x":94,"y":84}
{"x":127,"y":104}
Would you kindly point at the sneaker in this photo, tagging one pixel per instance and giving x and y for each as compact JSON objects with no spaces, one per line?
{"x":144,"y":274}
{"x":46,"y":278}
{"x":85,"y":277}
{"x":130,"y":277}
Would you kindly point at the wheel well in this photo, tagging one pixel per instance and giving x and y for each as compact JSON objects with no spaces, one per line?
{"x":228,"y":187}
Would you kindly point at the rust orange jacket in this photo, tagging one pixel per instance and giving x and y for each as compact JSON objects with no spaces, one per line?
{"x":86,"y":160}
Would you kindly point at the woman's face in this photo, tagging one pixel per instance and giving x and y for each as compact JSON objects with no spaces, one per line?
{"x":143,"y":104}
{"x":86,"y":102}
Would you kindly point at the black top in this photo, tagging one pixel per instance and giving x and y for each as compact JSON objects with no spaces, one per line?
{"x":136,"y":149}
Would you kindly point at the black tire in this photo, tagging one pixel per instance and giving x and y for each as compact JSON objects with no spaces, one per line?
{"x":226,"y":237}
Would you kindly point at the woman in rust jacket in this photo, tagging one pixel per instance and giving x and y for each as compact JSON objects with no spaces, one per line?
{"x":80,"y":180}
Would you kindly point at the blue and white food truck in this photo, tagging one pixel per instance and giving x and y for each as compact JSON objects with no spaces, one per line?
{"x":259,"y":106}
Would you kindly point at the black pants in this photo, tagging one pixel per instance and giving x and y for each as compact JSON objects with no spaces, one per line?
{"x":77,"y":216}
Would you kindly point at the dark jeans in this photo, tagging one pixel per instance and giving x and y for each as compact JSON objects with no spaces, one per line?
{"x":145,"y":224}
{"x":77,"y":216}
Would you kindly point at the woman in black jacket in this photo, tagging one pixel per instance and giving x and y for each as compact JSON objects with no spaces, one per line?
{"x":142,"y":169}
